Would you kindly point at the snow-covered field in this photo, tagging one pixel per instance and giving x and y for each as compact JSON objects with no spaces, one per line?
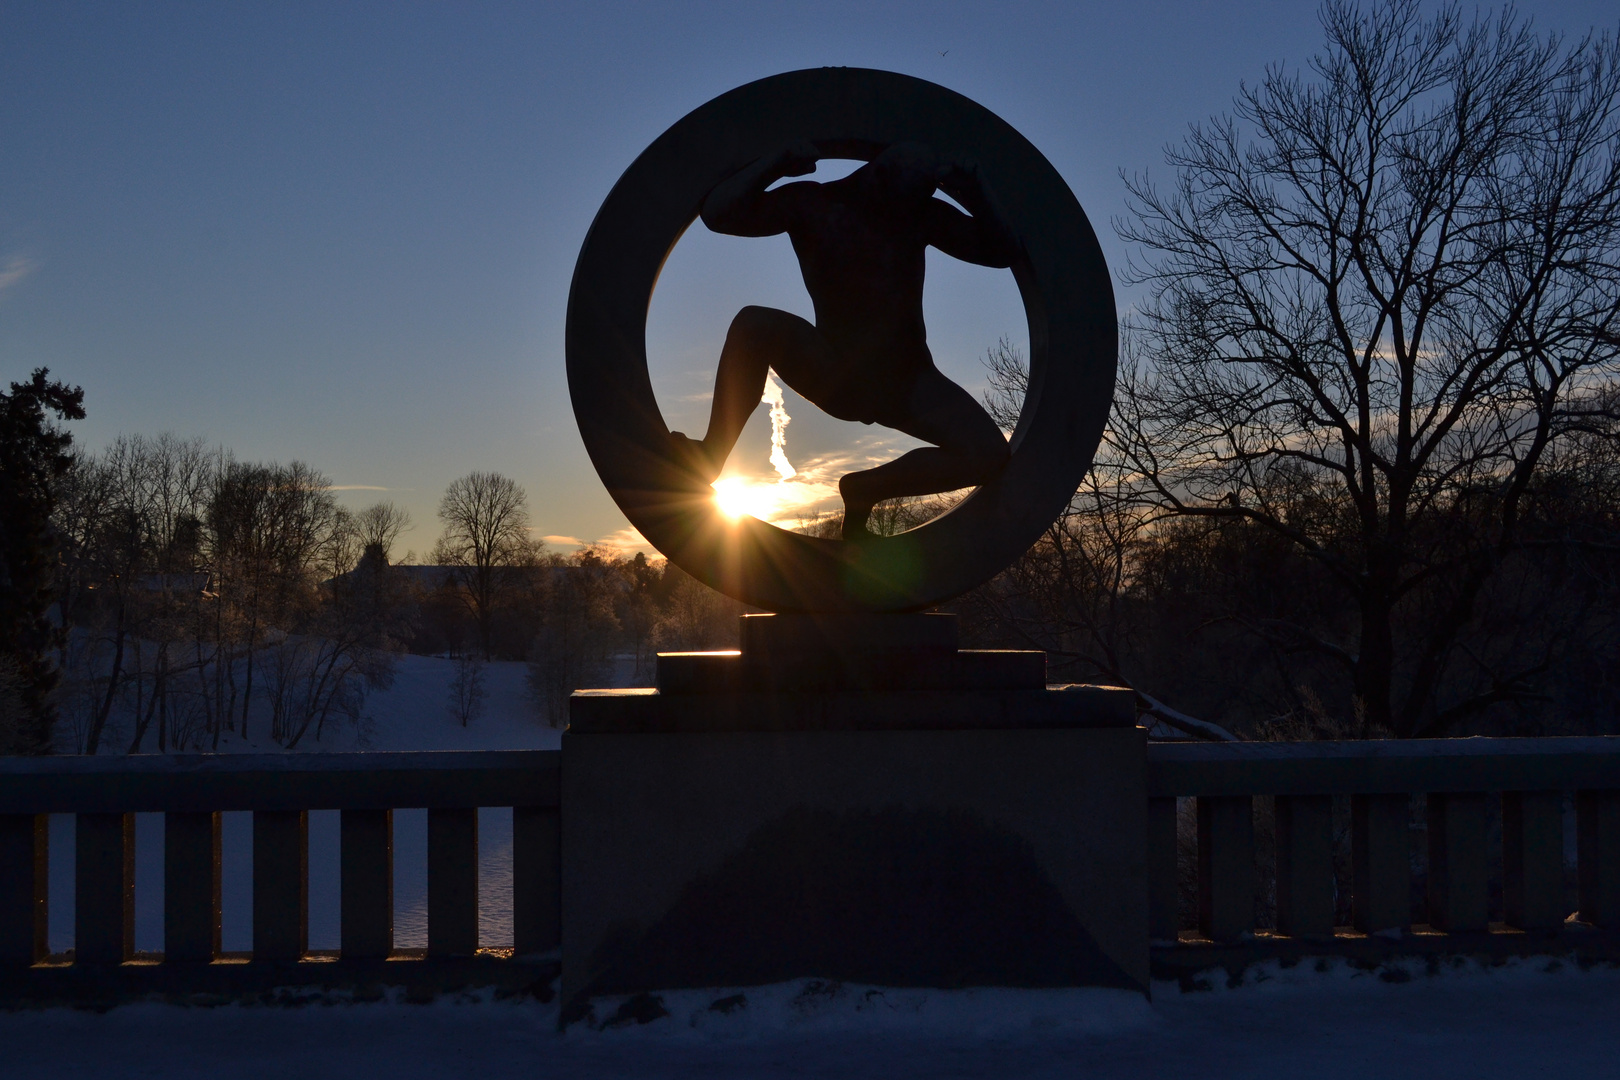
{"x":1521,"y":1020}
{"x":413,"y":714}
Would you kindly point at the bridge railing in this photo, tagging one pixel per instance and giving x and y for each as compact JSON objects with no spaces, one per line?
{"x":279,"y":789}
{"x":1458,"y":780}
{"x":1465,"y":785}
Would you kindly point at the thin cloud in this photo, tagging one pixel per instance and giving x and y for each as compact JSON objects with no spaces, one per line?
{"x":360,"y":487}
{"x":564,"y":541}
{"x":627,"y":541}
{"x":17,"y":267}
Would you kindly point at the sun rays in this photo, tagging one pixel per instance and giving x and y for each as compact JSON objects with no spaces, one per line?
{"x":771,"y":500}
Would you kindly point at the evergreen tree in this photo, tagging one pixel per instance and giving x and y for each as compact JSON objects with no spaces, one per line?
{"x":34,"y":455}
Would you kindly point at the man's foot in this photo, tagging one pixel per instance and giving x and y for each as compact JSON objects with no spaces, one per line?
{"x":857,"y":510}
{"x":855,"y":529}
{"x":693,"y":456}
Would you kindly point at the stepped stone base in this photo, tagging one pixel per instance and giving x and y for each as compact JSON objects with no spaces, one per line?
{"x":722,"y":833}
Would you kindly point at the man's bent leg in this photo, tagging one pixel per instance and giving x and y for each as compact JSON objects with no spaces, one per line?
{"x":969,"y":450}
{"x":760,"y":338}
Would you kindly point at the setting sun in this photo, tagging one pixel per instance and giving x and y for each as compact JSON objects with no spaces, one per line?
{"x":738,"y":496}
{"x":772,"y":500}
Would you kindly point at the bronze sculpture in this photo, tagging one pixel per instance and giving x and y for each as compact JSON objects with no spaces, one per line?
{"x":1032,"y":222}
{"x":860,"y":243}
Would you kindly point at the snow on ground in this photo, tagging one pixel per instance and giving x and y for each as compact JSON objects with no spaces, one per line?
{"x":1526,"y":1019}
{"x":414,"y":714}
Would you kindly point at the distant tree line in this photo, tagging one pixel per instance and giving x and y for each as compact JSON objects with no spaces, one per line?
{"x":197,"y":590}
{"x":590,"y":618}
{"x":161,"y":593}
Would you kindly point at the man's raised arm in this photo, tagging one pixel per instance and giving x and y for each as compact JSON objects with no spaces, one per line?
{"x":740,"y":205}
{"x":985,"y":238}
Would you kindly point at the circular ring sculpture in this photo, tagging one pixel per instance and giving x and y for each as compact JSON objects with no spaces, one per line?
{"x":1061,"y":275}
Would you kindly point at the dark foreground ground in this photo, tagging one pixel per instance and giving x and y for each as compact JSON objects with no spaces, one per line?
{"x":1539,"y":1018}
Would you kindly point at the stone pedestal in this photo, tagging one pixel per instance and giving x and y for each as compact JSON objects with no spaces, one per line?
{"x":853,"y":799}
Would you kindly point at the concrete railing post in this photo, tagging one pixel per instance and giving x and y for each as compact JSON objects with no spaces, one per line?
{"x":191,"y":887}
{"x":280,"y":885}
{"x":104,"y":889}
{"x":452,"y":885}
{"x":1533,"y":859}
{"x":1456,"y":887}
{"x":1305,"y":865}
{"x":1381,"y":896}
{"x":1597,"y":831}
{"x":536,"y":879}
{"x":1163,"y":859}
{"x":366,"y":887}
{"x":1226,"y":874}
{"x":24,"y":858}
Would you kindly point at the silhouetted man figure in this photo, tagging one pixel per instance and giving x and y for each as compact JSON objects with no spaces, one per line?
{"x":861,"y":244}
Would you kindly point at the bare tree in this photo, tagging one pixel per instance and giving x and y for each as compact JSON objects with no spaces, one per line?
{"x":1077,"y":593}
{"x":378,"y":526}
{"x":467,"y":689}
{"x":269,"y":526}
{"x":184,"y":569}
{"x":168,"y":486}
{"x":486,"y":535}
{"x":102,"y":560}
{"x":134,"y":573}
{"x":1385,"y":295}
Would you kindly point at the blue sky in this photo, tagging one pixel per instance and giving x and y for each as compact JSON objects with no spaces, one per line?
{"x":343,"y":233}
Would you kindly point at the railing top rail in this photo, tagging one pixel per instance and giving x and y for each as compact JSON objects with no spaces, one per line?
{"x":191,"y":782}
{"x":1383,"y":766}
{"x":349,"y":781}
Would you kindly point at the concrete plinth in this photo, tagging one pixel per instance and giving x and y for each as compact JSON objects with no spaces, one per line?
{"x":887,"y":848}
